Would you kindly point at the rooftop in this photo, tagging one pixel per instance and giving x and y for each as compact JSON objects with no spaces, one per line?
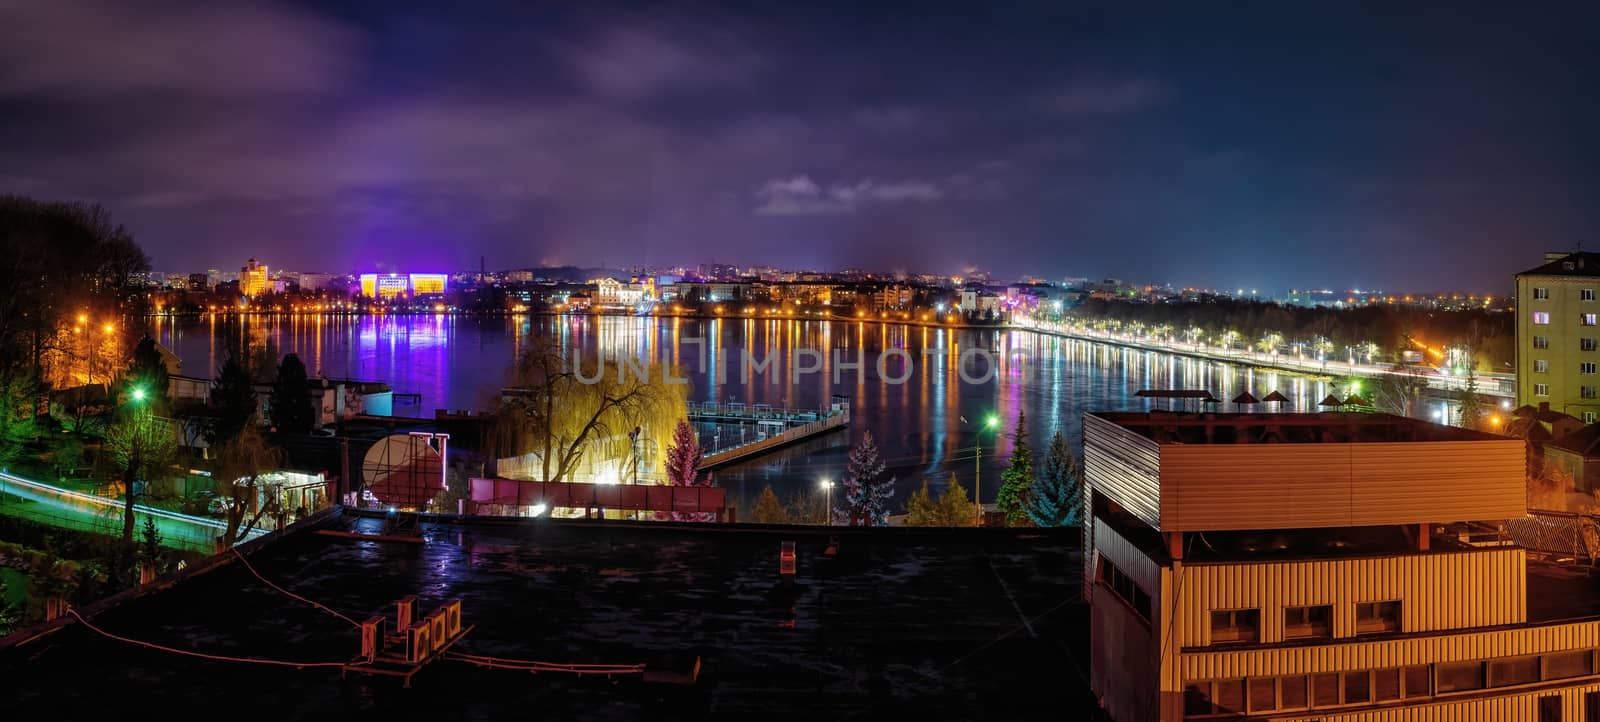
{"x":1327,"y":427}
{"x":937,"y":624}
{"x":1582,"y":263}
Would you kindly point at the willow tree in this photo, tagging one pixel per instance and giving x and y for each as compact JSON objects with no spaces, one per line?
{"x":567,"y":409}
{"x":241,"y":462}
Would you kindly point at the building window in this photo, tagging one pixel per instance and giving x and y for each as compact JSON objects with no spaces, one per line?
{"x":1541,"y":389}
{"x":1385,"y":685}
{"x":1590,"y":319}
{"x":1218,"y":697}
{"x":1458,"y":677}
{"x":1541,"y":318}
{"x":1324,"y":690}
{"x":1540,"y":294}
{"x":1308,"y":622}
{"x":1377,"y":617}
{"x":1229,"y":695}
{"x":1416,"y":680}
{"x":1125,"y":589}
{"x":1514,"y":671}
{"x":1550,"y":708}
{"x":1587,"y":367}
{"x":1589,"y":417}
{"x":1541,"y":342}
{"x":1591,"y":707}
{"x":1588,"y":392}
{"x":1586,"y":344}
{"x":1586,"y":294}
{"x":1292,"y":693}
{"x":1235,"y":626}
{"x":1357,"y":687}
{"x":1541,"y":366}
{"x":1561,"y":665}
{"x":1263,"y":693}
{"x":1197,"y":699}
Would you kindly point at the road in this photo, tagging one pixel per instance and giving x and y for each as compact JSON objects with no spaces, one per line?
{"x":67,"y":509}
{"x":1497,"y":385}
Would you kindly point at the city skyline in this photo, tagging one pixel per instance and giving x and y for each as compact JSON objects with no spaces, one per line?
{"x":1209,"y":150}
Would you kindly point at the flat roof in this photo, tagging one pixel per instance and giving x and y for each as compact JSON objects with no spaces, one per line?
{"x":1169,"y":427}
{"x":983,"y":623}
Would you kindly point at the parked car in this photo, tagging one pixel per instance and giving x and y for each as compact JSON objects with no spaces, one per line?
{"x":219,"y":506}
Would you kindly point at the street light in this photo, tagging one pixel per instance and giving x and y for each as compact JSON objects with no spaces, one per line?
{"x":827,"y":488}
{"x":990,"y":423}
{"x":138,"y":394}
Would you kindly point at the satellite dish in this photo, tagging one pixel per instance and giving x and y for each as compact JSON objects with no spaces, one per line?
{"x":403,"y":471}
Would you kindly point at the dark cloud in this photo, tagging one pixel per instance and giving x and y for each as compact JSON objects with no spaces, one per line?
{"x":1208,"y":148}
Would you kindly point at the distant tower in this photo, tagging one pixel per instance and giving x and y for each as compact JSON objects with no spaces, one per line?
{"x":482,"y":270}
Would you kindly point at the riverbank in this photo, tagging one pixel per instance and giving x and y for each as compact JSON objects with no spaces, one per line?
{"x":1497,"y":386}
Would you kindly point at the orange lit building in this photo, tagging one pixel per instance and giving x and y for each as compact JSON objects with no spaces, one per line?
{"x":253,"y":279}
{"x":387,"y":286}
{"x":1331,"y":567}
{"x":428,"y":284}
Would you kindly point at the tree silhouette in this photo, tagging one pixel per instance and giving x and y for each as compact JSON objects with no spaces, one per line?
{"x":291,"y":408}
{"x":234,"y":398}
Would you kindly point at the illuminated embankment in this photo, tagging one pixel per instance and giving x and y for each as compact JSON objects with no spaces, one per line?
{"x":69,"y":509}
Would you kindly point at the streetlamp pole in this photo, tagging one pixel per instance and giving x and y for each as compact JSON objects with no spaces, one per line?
{"x":992,"y":422}
{"x":827,"y":489}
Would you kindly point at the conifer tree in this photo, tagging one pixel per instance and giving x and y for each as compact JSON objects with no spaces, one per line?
{"x":1017,"y":479}
{"x":1057,"y":498}
{"x":866,"y":495}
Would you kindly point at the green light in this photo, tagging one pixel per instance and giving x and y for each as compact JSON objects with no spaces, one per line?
{"x":138,"y":394}
{"x":993,"y":420}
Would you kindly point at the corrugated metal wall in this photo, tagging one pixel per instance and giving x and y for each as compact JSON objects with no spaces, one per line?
{"x":1513,"y":708}
{"x":1283,"y":486}
{"x":1427,"y":649}
{"x":1438,"y":591}
{"x":1123,"y":465}
{"x":1129,"y":558}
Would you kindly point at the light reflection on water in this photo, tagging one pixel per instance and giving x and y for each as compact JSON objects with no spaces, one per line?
{"x":461,"y":362}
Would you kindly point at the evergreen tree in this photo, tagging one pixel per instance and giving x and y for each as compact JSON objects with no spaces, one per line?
{"x":954,"y":508}
{"x":920,"y":509}
{"x":150,"y":554}
{"x":291,"y":408}
{"x":1057,"y":498}
{"x":148,"y":371}
{"x":683,"y":468}
{"x":1017,"y":479}
{"x":1471,"y":413}
{"x":866,"y":496}
{"x":768,"y":510}
{"x":234,"y":398}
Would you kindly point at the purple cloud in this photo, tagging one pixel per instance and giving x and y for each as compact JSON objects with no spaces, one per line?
{"x":85,"y":49}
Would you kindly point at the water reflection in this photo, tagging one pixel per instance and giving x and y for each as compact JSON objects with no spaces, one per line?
{"x":460,"y":363}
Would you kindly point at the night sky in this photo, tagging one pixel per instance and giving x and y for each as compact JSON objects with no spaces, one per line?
{"x":1269,"y":146}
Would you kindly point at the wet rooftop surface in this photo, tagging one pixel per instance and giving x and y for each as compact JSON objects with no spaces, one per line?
{"x":901,"y":624}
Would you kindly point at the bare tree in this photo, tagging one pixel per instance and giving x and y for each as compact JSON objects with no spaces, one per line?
{"x":1399,"y":391}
